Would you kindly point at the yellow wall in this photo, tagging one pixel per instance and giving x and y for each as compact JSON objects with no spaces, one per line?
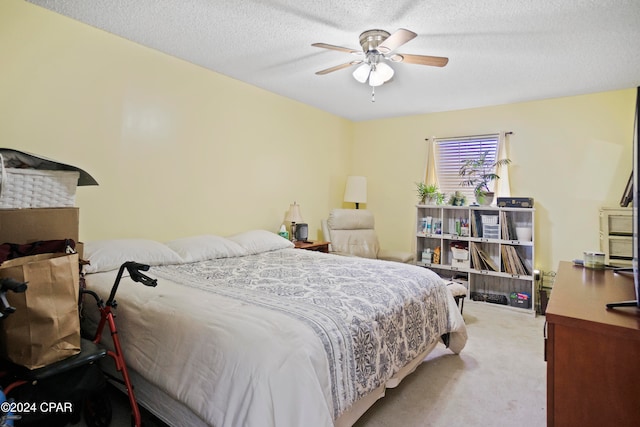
{"x":180,"y":150}
{"x":177,"y":149}
{"x":572,"y":155}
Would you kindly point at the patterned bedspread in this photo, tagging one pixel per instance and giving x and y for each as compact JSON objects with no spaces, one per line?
{"x":371,"y":317}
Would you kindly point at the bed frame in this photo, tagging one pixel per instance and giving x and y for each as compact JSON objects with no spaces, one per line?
{"x":174,"y":413}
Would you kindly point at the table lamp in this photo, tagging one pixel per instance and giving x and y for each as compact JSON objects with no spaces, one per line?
{"x":356,"y":190}
{"x":293,"y":216}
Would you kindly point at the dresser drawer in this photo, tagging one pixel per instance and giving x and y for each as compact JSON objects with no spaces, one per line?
{"x":620,"y":246}
{"x":620,"y":224}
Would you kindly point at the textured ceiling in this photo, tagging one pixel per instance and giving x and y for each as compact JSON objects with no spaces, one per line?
{"x":500,"y":51}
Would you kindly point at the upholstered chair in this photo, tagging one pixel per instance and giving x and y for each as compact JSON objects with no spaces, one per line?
{"x":352,"y":232}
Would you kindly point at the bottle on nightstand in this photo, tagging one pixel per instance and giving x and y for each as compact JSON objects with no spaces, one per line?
{"x":283,"y":232}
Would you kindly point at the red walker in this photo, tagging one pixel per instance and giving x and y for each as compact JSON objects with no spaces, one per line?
{"x":107,"y":317}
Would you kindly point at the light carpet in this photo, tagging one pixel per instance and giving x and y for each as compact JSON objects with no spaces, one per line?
{"x":499,"y":379}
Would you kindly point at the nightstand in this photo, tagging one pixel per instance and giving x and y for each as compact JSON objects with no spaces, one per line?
{"x":313,"y":246}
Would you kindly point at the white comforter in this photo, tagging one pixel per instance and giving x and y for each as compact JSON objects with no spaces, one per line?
{"x":281,"y":338}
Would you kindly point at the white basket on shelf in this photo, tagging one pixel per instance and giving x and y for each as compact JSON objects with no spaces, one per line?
{"x":460,"y":253}
{"x":36,"y":188}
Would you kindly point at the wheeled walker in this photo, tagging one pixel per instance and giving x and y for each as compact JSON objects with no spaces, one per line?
{"x":82,"y":379}
{"x":107,"y":318}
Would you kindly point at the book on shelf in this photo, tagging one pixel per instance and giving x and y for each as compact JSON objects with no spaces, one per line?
{"x":507,"y":226}
{"x":504,"y":227}
{"x":512,"y":261}
{"x":476,"y":227}
{"x":526,"y":270}
{"x":482,"y":260}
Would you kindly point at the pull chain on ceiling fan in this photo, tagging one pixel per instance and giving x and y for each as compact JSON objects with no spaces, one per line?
{"x":377,"y":46}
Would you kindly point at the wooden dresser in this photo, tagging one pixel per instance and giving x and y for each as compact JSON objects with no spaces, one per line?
{"x":592,"y":354}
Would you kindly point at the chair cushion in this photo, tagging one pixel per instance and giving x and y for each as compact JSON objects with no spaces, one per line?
{"x":350,"y":219}
{"x":398,"y":256}
{"x":361,"y":243}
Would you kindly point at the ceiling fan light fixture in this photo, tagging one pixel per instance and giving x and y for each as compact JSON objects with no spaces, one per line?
{"x":378,"y":46}
{"x":361,"y":73}
{"x":375,"y":78}
{"x":385,"y":71}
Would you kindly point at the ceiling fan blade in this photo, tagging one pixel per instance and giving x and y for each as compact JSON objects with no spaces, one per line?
{"x":337,"y":67}
{"x":396,"y":40}
{"x":339,"y":48}
{"x":435,"y":61}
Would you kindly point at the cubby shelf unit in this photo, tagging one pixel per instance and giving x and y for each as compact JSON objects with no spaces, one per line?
{"x":499,"y":246}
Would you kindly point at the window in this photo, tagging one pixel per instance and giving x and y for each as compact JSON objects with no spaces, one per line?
{"x":451,"y":153}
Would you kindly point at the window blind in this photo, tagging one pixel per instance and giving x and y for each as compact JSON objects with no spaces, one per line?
{"x":451,"y":153}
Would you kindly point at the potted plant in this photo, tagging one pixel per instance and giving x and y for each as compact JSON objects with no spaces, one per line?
{"x":427,"y":193}
{"x":478,"y":173}
{"x":457,"y":199}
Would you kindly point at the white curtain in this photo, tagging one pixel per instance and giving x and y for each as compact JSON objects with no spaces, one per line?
{"x":502,"y":185}
{"x":431,"y":175}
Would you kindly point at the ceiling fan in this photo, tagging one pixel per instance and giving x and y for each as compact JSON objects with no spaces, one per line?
{"x":378,"y":46}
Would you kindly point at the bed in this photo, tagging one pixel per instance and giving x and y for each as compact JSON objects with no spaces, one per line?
{"x":246,"y":330}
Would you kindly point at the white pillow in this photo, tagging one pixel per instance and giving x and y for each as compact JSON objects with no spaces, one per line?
{"x":206,"y":246}
{"x":106,"y":255}
{"x":256,"y":241}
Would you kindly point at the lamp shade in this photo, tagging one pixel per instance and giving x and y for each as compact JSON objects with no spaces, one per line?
{"x":294,"y":213}
{"x":356,"y":189}
{"x":361,"y":73}
{"x":380,"y":74}
{"x":385,"y":71}
{"x":377,"y":73}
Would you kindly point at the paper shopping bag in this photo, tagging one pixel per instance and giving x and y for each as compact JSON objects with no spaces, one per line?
{"x":45,"y":327}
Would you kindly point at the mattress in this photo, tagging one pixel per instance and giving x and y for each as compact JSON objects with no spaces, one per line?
{"x":279,"y":337}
